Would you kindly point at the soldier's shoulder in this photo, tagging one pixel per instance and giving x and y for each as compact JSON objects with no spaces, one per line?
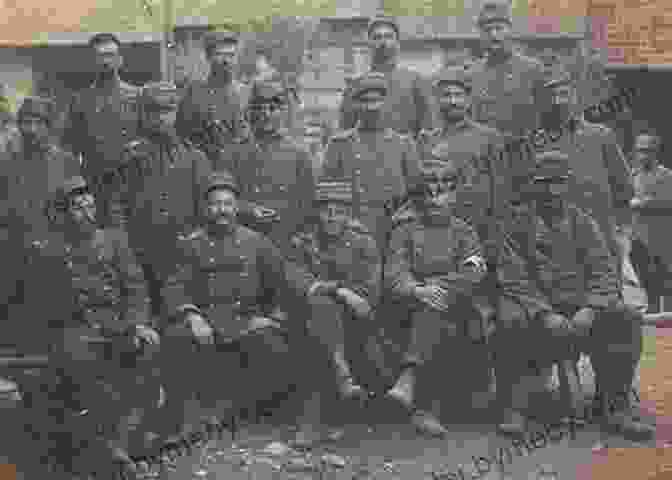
{"x":485,"y":129}
{"x":528,"y":63}
{"x":193,"y":236}
{"x":462,"y":225}
{"x":428,"y":134}
{"x":393,"y":135}
{"x":137,"y":145}
{"x":113,"y":235}
{"x":595,"y":128}
{"x":130,"y":88}
{"x":405,"y":217}
{"x":477,"y":66}
{"x":251,"y":238}
{"x":357,"y":229}
{"x":302,"y":239}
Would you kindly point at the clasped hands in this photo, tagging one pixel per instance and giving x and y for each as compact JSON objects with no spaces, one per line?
{"x":359,"y":305}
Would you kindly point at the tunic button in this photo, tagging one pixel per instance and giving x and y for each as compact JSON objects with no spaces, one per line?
{"x":124,"y":132}
{"x":256,"y":188}
{"x":212,"y":244}
{"x":236,"y":304}
{"x":283,"y":188}
{"x":212,"y":260}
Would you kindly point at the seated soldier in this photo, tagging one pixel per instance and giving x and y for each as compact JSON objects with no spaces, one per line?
{"x":87,"y":298}
{"x":437,"y":263}
{"x":573,"y":268}
{"x":230,"y":295}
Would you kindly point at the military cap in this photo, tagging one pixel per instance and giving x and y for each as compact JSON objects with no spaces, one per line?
{"x":100,"y":38}
{"x":495,"y":11}
{"x":160,"y":96}
{"x":370,"y":82}
{"x":268,"y":91}
{"x":558,"y":76}
{"x":454,"y":75}
{"x":221,"y":180}
{"x":334,"y":190}
{"x":216,"y":37}
{"x":383,"y":20}
{"x":551,"y":165}
{"x":41,"y":107}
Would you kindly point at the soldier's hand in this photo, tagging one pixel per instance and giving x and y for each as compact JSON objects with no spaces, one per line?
{"x":638,"y":202}
{"x":431,"y":295}
{"x":583,"y":321}
{"x":359,"y":305}
{"x":144,"y":334}
{"x":321,"y":288}
{"x":203,"y":332}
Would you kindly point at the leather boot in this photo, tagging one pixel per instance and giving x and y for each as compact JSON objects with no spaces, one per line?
{"x":513,"y":423}
{"x":310,"y":432}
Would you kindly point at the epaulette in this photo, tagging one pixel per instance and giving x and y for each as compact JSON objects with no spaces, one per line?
{"x":358,"y":228}
{"x":427,"y":133}
{"x":344,"y":135}
{"x":198,"y":233}
{"x":391,"y":133}
{"x":404,"y":216}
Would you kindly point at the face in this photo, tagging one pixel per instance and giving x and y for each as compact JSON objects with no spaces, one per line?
{"x":35,"y":130}
{"x":107,"y":57}
{"x":82,"y":210}
{"x":222,"y":57}
{"x":222,"y":207}
{"x":334,"y":216}
{"x":454,"y":101}
{"x":158,"y":120}
{"x":646,"y":151}
{"x":496,"y":36}
{"x":444,"y":191}
{"x":384,"y":42}
{"x":268,"y":116}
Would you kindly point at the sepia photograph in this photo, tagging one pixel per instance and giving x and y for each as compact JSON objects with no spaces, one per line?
{"x":341,"y":240}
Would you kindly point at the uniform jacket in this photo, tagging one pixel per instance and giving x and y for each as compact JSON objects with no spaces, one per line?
{"x":100,"y":122}
{"x":94,"y":282}
{"x":428,"y":251}
{"x":165,"y":190}
{"x":204,"y":102}
{"x":409,"y":106}
{"x":353,"y":260}
{"x":228,"y":278}
{"x":278,"y":174}
{"x":649,"y":221}
{"x":509,"y":95}
{"x":386,"y":165}
{"x":573,"y":262}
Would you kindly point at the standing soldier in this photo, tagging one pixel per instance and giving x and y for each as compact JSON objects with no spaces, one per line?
{"x":602,"y":182}
{"x":83,"y":284}
{"x":166,"y":176}
{"x":32,"y":170}
{"x":101,"y":120}
{"x":651,"y":205}
{"x":277,"y":172}
{"x":408,"y":107}
{"x":211,"y":113}
{"x":385,"y":162}
{"x":337,"y":268}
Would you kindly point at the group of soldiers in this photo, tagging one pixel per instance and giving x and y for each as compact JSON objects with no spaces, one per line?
{"x":189,"y":231}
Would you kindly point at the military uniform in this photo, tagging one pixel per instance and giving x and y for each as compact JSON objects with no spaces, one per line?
{"x":508,"y":94}
{"x":30,"y":179}
{"x":574,"y":270}
{"x":101,"y":120}
{"x":166,"y":178}
{"x":236,"y":280}
{"x":276,"y":172}
{"x":350,"y":260}
{"x":385,"y":163}
{"x":84,"y":286}
{"x":408,"y":107}
{"x":602,"y":182}
{"x":212,"y":115}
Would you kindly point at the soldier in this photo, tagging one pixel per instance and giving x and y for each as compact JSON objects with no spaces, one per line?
{"x":337,"y":267}
{"x":508,"y":86}
{"x":602,"y":182}
{"x":32,"y":170}
{"x":408,"y":107}
{"x":211,"y":113}
{"x":166,"y":176}
{"x":277,"y":172}
{"x":101,"y":120}
{"x":652,"y":182}
{"x":436,"y":262}
{"x":574,"y":270}
{"x":87,"y":305}
{"x":385,"y":161}
{"x":231,"y":295}
{"x":466,"y":142}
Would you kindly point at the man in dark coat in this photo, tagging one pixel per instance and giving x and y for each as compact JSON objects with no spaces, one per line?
{"x":101,"y":120}
{"x":574,"y":270}
{"x":385,"y":162}
{"x":86,"y":303}
{"x":31,"y":170}
{"x":408,"y":107}
{"x":212,"y":112}
{"x":166,"y":176}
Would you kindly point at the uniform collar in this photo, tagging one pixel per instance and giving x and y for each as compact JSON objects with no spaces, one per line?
{"x":386,"y":67}
{"x":450,"y":128}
